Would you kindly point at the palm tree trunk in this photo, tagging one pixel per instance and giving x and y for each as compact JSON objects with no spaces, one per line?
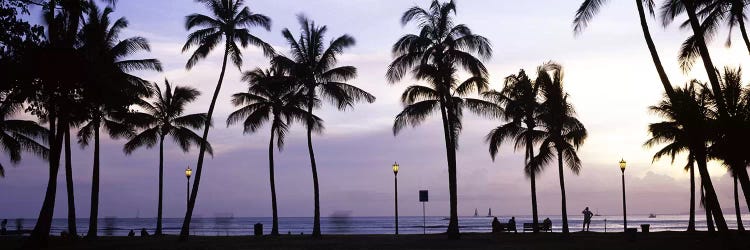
{"x":705,"y":56}
{"x":316,"y":190}
{"x":40,"y":235}
{"x":185,"y":231}
{"x":654,"y":54}
{"x":69,"y":185}
{"x":744,"y":33}
{"x":161,"y":186}
{"x":562,"y":193}
{"x":453,"y":231}
{"x":712,"y":203}
{"x":691,"y":221}
{"x":740,"y":227}
{"x":529,"y":155}
{"x":709,"y":221}
{"x":275,"y":226}
{"x":742,"y":177}
{"x":94,"y":215}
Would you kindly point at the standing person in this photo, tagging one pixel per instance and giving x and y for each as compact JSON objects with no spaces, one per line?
{"x":3,"y":230}
{"x":587,"y":214}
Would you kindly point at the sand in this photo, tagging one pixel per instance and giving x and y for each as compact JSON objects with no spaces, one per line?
{"x":660,"y":240}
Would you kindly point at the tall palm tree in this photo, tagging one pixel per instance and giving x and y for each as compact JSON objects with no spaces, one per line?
{"x":436,"y":53}
{"x":111,"y":88}
{"x":313,"y":68}
{"x":737,"y":104}
{"x":589,"y":8}
{"x":164,"y":117}
{"x":54,"y":79}
{"x":228,"y":22}
{"x":561,"y":131}
{"x":686,"y":115}
{"x":519,"y":99}
{"x":18,"y":136}
{"x":669,"y":11}
{"x":62,"y":70}
{"x":270,"y":96}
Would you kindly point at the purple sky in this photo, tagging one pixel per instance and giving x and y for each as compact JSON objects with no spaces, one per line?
{"x":609,"y":75}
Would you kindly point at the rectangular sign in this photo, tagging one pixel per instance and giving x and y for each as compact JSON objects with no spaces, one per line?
{"x":423,"y":195}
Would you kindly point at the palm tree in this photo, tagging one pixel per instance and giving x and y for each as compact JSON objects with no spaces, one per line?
{"x":270,"y":96}
{"x":738,"y":104}
{"x":589,"y":8}
{"x":519,"y":99}
{"x":164,"y":117}
{"x":686,"y":114}
{"x":561,"y":132}
{"x":693,"y":47}
{"x":313,"y":68}
{"x":18,"y":136}
{"x":436,"y":54}
{"x":229,"y":22}
{"x":111,"y":88}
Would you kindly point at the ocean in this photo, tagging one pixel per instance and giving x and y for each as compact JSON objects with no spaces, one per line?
{"x":369,"y":225}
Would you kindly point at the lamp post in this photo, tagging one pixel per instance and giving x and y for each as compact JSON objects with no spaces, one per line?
{"x":624,"y":208}
{"x":395,"y":188}
{"x":188,"y":173}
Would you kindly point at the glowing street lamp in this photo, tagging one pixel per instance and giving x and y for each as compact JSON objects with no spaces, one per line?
{"x":395,"y":188}
{"x":188,"y":173}
{"x":624,"y":208}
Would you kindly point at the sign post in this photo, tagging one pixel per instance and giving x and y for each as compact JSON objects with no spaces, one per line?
{"x":423,"y":198}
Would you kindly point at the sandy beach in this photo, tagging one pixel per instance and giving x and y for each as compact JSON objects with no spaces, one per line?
{"x":660,"y":240}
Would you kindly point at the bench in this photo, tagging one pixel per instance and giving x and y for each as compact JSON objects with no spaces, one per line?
{"x":505,"y":227}
{"x":542,"y":227}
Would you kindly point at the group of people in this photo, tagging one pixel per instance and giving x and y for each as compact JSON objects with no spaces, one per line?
{"x":546,"y":224}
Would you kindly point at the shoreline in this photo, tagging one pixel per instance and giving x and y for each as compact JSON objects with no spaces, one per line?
{"x":576,"y":240}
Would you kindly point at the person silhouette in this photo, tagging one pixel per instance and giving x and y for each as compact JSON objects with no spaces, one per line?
{"x":587,"y":214}
{"x":547,"y":224}
{"x":512,"y":224}
{"x":496,"y":225}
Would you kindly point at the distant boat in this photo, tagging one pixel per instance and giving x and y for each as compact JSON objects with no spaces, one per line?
{"x":489,"y":213}
{"x":597,"y":213}
{"x":652,"y":216}
{"x":476,"y":213}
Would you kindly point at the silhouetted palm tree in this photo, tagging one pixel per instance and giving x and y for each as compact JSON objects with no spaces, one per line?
{"x":229,"y":21}
{"x":18,"y":136}
{"x":589,"y":8}
{"x":111,"y":88}
{"x":270,"y":96}
{"x":59,"y":73}
{"x":164,"y":117}
{"x":435,"y":54}
{"x":313,"y":68}
{"x":737,"y":99}
{"x":687,"y":117}
{"x":692,"y":48}
{"x":519,"y":99}
{"x":561,"y":131}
